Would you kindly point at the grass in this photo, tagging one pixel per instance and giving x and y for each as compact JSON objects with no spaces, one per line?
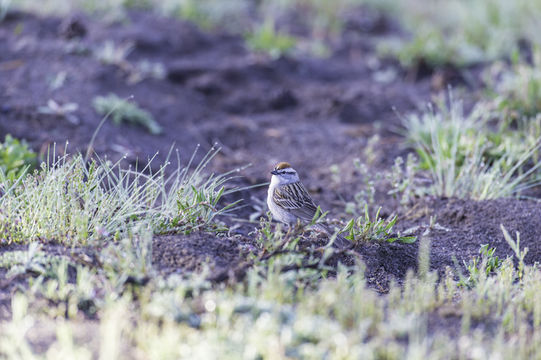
{"x":267,"y":39}
{"x":105,"y":298}
{"x":440,"y":32}
{"x":208,"y":13}
{"x":16,"y":159}
{"x":72,"y":201}
{"x":516,"y":89}
{"x":116,"y":54}
{"x":277,"y":313}
{"x":466,"y":159}
{"x":262,"y":35}
{"x":461,"y":33}
{"x":366,"y":228}
{"x":65,"y":111}
{"x":122,"y":110}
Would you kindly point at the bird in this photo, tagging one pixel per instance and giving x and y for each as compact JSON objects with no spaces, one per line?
{"x":289,"y":201}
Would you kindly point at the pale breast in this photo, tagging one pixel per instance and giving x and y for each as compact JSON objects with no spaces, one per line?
{"x":277,"y":212}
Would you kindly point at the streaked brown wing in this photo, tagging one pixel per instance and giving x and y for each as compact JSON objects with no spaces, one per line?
{"x":295,"y":199}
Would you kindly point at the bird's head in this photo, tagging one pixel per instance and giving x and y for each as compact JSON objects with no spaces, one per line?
{"x":283,"y":173}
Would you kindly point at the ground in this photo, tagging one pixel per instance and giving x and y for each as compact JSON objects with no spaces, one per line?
{"x":312,"y":112}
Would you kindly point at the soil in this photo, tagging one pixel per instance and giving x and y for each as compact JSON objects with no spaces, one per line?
{"x":311,"y":112}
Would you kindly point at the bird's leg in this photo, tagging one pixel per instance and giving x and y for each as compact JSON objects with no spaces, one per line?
{"x":299,"y":227}
{"x":293,"y":231}
{"x":287,"y":236}
{"x":289,"y":228}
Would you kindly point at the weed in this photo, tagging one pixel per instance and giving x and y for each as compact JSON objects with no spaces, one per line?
{"x":147,"y":69}
{"x":304,"y":311}
{"x":465,"y":165}
{"x":13,"y":343}
{"x":56,"y":81}
{"x":64,"y":111}
{"x":485,"y":265}
{"x":365,"y":229}
{"x":72,"y":201}
{"x":366,"y":195}
{"x":112,"y":54}
{"x":267,"y":38}
{"x":16,"y":159}
{"x":108,"y":11}
{"x":191,"y":198}
{"x":32,"y":261}
{"x":516,"y":90}
{"x":515,"y":246}
{"x":459,"y":33}
{"x":423,"y":259}
{"x":208,"y":13}
{"x":117,"y":55}
{"x":128,"y":260}
{"x":405,"y":183}
{"x":122,"y":110}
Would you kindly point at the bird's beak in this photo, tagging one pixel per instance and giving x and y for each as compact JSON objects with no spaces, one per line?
{"x":274,"y":172}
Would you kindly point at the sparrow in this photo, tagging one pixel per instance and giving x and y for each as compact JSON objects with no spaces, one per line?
{"x":289,"y":201}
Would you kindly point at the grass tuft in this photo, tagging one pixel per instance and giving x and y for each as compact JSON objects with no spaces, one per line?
{"x":517,"y":90}
{"x":464,"y":158}
{"x":461,"y":33}
{"x":266,"y":38}
{"x":365,"y":229}
{"x":16,"y":159}
{"x":73,"y":201}
{"x":122,"y":110}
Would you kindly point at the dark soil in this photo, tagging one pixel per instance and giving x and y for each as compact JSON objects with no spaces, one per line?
{"x":311,"y":112}
{"x":178,"y":254}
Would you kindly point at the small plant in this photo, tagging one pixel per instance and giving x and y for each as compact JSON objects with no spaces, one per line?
{"x":464,"y":164}
{"x":128,"y":260}
{"x":56,"y":81}
{"x":517,"y":90}
{"x":446,"y":129}
{"x":271,"y":238}
{"x":366,"y":229}
{"x":146,"y":69}
{"x":515,"y":246}
{"x":429,"y":46}
{"x":208,"y":13}
{"x":122,"y":110}
{"x":484,"y":265}
{"x":460,"y":33}
{"x":404,"y":182}
{"x":76,"y":202}
{"x":193,"y":199}
{"x":117,"y":55}
{"x":267,"y":38}
{"x":16,"y":159}
{"x":64,"y":111}
{"x":365,"y":196}
{"x":112,"y":54}
{"x":33,"y":261}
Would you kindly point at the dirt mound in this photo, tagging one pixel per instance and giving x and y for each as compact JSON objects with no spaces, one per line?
{"x":464,"y":225}
{"x":181,"y":253}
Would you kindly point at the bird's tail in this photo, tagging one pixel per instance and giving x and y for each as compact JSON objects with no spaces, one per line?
{"x":339,"y":242}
